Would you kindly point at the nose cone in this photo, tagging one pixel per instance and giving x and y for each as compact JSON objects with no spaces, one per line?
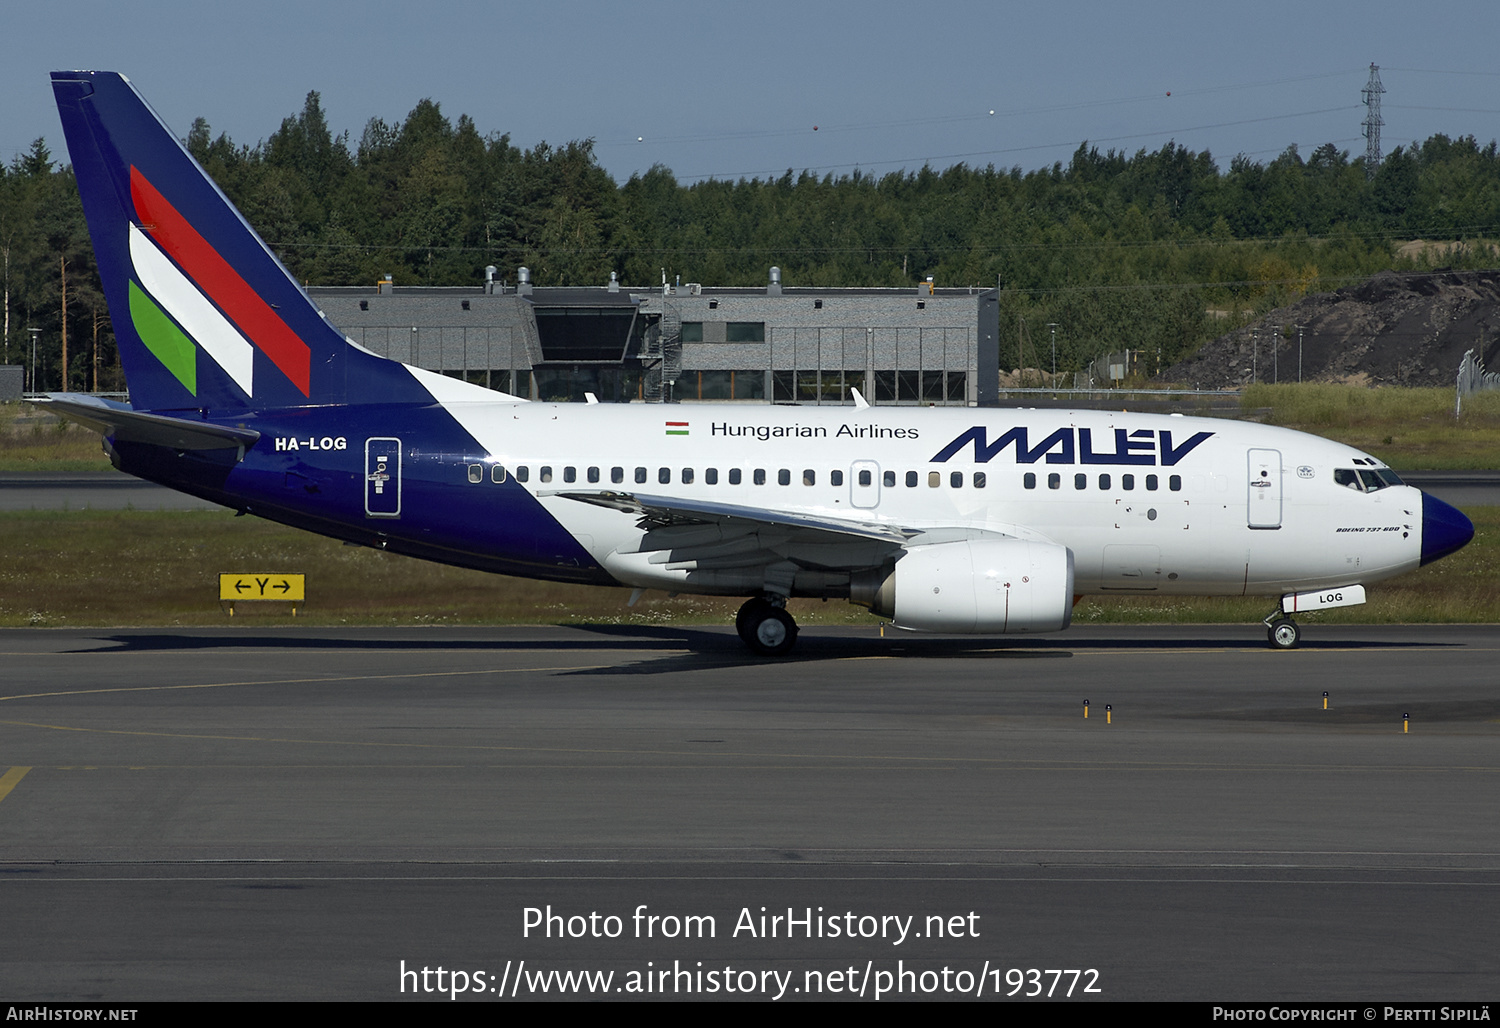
{"x":1444,"y":529}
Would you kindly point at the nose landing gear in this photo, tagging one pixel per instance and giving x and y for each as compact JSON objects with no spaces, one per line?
{"x":1282,"y":632}
{"x":766,"y":627}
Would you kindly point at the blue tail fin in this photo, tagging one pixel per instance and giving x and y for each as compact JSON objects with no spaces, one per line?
{"x":204,"y":314}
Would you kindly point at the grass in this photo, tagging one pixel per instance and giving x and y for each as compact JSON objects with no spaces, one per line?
{"x":134,"y":568}
{"x":34,"y":440}
{"x":1409,"y":429}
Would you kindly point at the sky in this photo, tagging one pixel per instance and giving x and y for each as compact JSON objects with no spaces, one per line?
{"x":713,"y":89}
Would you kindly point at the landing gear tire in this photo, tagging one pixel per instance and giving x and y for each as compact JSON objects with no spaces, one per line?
{"x":766,"y":629}
{"x":1283,"y":634}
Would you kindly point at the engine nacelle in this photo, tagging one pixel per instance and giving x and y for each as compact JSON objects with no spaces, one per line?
{"x":977,"y":586}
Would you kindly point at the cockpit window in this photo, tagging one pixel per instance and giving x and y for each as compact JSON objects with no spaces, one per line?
{"x":1366,"y":480}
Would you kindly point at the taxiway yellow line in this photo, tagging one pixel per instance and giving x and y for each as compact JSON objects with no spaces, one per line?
{"x":10,"y":779}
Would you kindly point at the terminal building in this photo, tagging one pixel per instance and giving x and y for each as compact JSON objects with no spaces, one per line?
{"x":686,"y":342}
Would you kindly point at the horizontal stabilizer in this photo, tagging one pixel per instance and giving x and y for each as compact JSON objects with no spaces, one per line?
{"x":119,"y":421}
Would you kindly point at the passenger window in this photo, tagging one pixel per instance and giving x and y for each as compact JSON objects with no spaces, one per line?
{"x":1080,"y":481}
{"x":865,"y":479}
{"x":1029,"y":481}
{"x":911,"y":480}
{"x":1175,"y":483}
{"x":593,"y":474}
{"x":476,"y":473}
{"x":640,"y":476}
{"x":956,"y":480}
{"x":617,"y":475}
{"x":664,"y":476}
{"x":1151,"y":482}
{"x":711,"y":476}
{"x":1054,"y":481}
{"x":979,"y":480}
{"x":760,"y":476}
{"x":1104,"y":482}
{"x":889,"y":478}
{"x":734,"y":476}
{"x":687,"y":476}
{"x":783,"y":477}
{"x":1127,"y":482}
{"x":545,"y":475}
{"x":497,"y":473}
{"x":837,"y":477}
{"x":809,"y":477}
{"x":523,"y":473}
{"x":934,"y":479}
{"x":570,"y":474}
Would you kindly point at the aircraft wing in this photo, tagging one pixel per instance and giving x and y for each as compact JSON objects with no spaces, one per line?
{"x":690,"y":535}
{"x":668,"y":511}
{"x":120,"y":421}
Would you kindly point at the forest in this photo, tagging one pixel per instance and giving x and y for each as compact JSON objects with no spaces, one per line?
{"x":1156,"y":250}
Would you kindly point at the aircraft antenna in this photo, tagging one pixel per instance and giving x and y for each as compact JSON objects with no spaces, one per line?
{"x":1373,"y":121}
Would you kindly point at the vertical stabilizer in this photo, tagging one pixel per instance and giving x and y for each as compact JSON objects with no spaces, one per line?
{"x":205,"y":315}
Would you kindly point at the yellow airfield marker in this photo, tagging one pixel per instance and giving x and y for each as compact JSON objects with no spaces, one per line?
{"x":1325,"y":699}
{"x":1085,"y":710}
{"x":9,"y":780}
{"x":1107,"y":719}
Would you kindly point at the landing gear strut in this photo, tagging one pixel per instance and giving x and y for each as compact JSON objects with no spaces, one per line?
{"x":766,"y":627}
{"x":1282,"y":632}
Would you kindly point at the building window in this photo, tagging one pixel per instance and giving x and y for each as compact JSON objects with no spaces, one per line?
{"x":692,"y":331}
{"x":744,"y":332}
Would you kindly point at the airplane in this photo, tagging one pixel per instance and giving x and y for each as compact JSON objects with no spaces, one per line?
{"x":981,"y":521}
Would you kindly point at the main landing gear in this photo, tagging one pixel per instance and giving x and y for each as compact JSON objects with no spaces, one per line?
{"x":766,"y":627}
{"x":1282,"y":632}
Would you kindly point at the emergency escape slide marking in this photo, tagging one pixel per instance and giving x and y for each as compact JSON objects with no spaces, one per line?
{"x":677,"y":428}
{"x":9,"y":780}
{"x":214,"y":275}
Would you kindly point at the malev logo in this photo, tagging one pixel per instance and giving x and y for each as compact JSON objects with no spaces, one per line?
{"x":1144,"y":446}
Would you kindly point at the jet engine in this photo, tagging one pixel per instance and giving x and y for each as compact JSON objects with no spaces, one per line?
{"x":978,"y":586}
